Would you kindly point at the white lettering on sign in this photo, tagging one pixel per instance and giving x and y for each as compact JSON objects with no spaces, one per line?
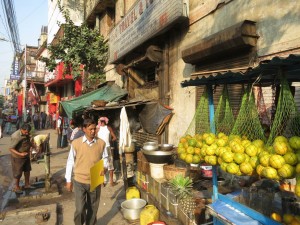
{"x":146,"y":19}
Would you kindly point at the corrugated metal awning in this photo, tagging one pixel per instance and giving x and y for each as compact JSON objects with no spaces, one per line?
{"x":267,"y":71}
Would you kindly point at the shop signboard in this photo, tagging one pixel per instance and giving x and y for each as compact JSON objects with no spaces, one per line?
{"x":53,"y":98}
{"x":15,"y":75}
{"x":146,"y":19}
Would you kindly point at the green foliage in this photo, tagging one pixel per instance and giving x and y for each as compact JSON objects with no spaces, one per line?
{"x":2,"y":100}
{"x":79,"y":45}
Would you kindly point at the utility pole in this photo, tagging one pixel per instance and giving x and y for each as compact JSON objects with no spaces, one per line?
{"x":25,"y":86}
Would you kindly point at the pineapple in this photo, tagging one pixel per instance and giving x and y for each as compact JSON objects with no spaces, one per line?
{"x":182,"y":187}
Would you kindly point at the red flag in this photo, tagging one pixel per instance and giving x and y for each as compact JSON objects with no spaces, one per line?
{"x":33,"y":95}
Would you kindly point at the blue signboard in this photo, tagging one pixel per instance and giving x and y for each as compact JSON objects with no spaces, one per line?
{"x":15,"y":75}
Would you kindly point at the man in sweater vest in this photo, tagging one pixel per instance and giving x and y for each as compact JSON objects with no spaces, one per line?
{"x":84,"y":153}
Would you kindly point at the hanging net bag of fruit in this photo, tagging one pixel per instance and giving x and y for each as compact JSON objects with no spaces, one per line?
{"x":223,"y":116}
{"x":247,"y":122}
{"x":200,"y":121}
{"x":287,"y":119}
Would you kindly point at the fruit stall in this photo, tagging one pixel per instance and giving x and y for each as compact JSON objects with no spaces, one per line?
{"x":263,"y":160}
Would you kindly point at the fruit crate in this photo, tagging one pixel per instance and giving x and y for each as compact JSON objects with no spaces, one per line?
{"x":186,"y":219}
{"x":164,"y":195}
{"x":155,"y":188}
{"x":171,"y":171}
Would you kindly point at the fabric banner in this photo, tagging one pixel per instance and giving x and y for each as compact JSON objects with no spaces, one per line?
{"x":20,"y":104}
{"x":33,"y":96}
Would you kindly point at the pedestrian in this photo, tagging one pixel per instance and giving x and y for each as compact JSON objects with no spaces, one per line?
{"x":43,"y":118}
{"x":36,"y":121}
{"x":39,"y":143}
{"x":107,"y":134}
{"x":20,"y":156}
{"x":59,"y":131}
{"x":77,"y":133}
{"x":84,"y":153}
{"x":54,"y":120}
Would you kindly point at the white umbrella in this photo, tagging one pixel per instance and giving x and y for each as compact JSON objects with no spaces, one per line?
{"x":125,"y":136}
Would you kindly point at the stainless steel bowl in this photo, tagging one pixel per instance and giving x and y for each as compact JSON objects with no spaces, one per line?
{"x":150,"y":146}
{"x":132,"y":208}
{"x":165,"y":147}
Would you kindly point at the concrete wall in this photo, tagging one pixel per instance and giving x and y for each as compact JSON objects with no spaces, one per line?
{"x":76,"y":14}
{"x":277,"y":25}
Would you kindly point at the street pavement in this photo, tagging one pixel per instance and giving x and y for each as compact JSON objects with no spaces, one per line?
{"x":57,"y":204}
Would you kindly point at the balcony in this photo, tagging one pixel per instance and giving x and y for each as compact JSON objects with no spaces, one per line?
{"x":94,"y":7}
{"x":57,"y":77}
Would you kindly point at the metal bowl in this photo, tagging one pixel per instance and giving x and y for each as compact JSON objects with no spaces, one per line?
{"x":150,"y":146}
{"x":165,"y":147}
{"x":158,"y":157}
{"x":132,"y":208}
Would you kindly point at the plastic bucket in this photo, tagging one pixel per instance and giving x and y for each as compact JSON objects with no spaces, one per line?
{"x":206,"y":171}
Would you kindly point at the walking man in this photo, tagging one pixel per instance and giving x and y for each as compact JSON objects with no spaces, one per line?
{"x":84,"y":153}
{"x":20,"y":160}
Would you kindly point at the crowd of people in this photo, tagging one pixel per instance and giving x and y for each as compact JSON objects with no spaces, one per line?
{"x":89,"y":141}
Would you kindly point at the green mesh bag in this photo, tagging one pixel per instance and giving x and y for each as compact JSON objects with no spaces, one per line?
{"x":247,"y":122}
{"x":200,"y":122}
{"x":223,"y":116}
{"x":287,"y":119}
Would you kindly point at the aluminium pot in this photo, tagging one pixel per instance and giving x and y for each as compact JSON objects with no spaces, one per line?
{"x":132,"y":208}
{"x":158,"y":157}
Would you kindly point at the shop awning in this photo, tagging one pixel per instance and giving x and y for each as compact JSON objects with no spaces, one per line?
{"x":267,"y":71}
{"x":107,"y":93}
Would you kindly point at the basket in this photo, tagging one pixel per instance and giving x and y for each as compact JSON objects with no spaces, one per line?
{"x":170,"y":171}
{"x":99,"y":103}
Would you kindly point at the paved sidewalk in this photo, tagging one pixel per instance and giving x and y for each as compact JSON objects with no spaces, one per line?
{"x":23,"y":209}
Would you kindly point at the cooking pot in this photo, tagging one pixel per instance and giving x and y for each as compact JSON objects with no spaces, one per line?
{"x":158,"y":157}
{"x":132,"y":208}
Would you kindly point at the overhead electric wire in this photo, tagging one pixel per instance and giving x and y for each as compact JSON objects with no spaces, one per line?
{"x":9,"y":10}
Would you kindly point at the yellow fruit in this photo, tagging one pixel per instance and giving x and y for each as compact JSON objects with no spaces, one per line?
{"x":212,"y":160}
{"x":281,"y":138}
{"x":269,"y":173}
{"x":290,"y":158}
{"x":297,"y":190}
{"x":197,"y":151}
{"x":286,"y":171}
{"x":245,"y":143}
{"x":264,"y":160}
{"x":223,"y":166}
{"x":209,"y":140}
{"x":221,"y":142}
{"x":254,"y":161}
{"x":276,"y":161}
{"x":276,"y":216}
{"x":295,"y":142}
{"x":246,"y":168}
{"x":251,"y":150}
{"x":280,"y":147}
{"x":183,"y":140}
{"x":227,"y":157}
{"x":192,"y":142}
{"x":210,"y":150}
{"x":180,"y":150}
{"x":196,"y":159}
{"x":258,"y":143}
{"x":259,"y":169}
{"x":182,"y":156}
{"x":297,"y":168}
{"x":239,"y":157}
{"x":199,"y":144}
{"x":189,"y":158}
{"x":287,"y":218}
{"x":232,"y":168}
{"x":221,"y":134}
{"x":190,"y":150}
